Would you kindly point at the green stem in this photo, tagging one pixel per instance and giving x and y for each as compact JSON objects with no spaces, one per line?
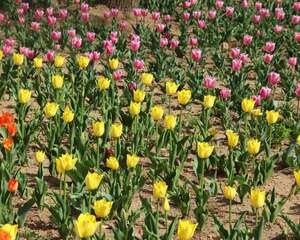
{"x":65,"y":189}
{"x":90,"y":201}
{"x":230,"y":205}
{"x":256,"y":217}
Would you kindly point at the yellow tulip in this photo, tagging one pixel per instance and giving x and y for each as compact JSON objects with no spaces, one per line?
{"x":204,"y":149}
{"x":184,"y":96}
{"x":98,"y":128}
{"x":1,"y":54}
{"x":68,"y":115}
{"x":186,"y":229}
{"x":57,"y":81}
{"x":138,"y":95}
{"x":229,"y":192}
{"x":134,"y":109}
{"x":256,"y":112}
{"x":257,"y":198}
{"x":253,"y":146}
{"x":272,"y":116}
{"x":59,"y":61}
{"x":132,"y":160}
{"x":170,"y":121}
{"x":39,"y":156}
{"x":298,"y":140}
{"x":166,"y":205}
{"x":212,"y":131}
{"x":18,"y":59}
{"x":297,"y":177}
{"x":86,"y":225}
{"x":157,"y":113}
{"x":102,"y":208}
{"x":93,"y":180}
{"x":83,"y":61}
{"x":147,"y":78}
{"x":209,"y":101}
{"x":171,"y":88}
{"x":113,"y":63}
{"x":24,"y":96}
{"x":112,"y":163}
{"x":232,"y":138}
{"x":103,"y":83}
{"x":51,"y":109}
{"x":116,"y":130}
{"x":11,"y":230}
{"x":65,"y":162}
{"x":248,"y":105}
{"x":38,"y":62}
{"x":159,"y":189}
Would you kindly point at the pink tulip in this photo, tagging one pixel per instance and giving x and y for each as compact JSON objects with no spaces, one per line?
{"x":196,"y":54}
{"x":85,"y":17}
{"x":277,"y":29}
{"x":76,"y":1}
{"x":57,"y":46}
{"x":293,"y":61}
{"x":174,"y":43}
{"x":186,"y":4}
{"x":110,"y":50}
{"x":279,"y":14}
{"x":167,"y":35}
{"x":38,"y":14}
{"x":265,"y":92}
{"x":219,"y":4}
{"x":212,"y":14}
{"x":193,"y":2}
{"x":273,"y":78}
{"x":245,"y":4}
{"x":9,"y":42}
{"x":264,"y":12}
{"x":7,"y":49}
{"x":25,"y":6}
{"x":201,"y":24}
{"x":229,"y":11}
{"x":247,"y":40}
{"x":258,"y":6}
{"x":114,"y":12}
{"x":20,"y":11}
{"x":196,"y":14}
{"x":297,"y":36}
{"x":35,"y":26}
{"x":244,"y":58}
{"x":21,"y":20}
{"x":30,"y":54}
{"x":51,"y":21}
{"x":160,"y":27}
{"x":76,"y":42}
{"x":296,"y":6}
{"x":137,"y":12}
{"x":63,"y":13}
{"x":123,"y":25}
{"x":49,"y":11}
{"x":132,"y":85}
{"x":106,"y":14}
{"x":193,"y":42}
{"x":155,"y":16}
{"x":225,"y":93}
{"x":297,"y":90}
{"x":144,"y":12}
{"x":256,"y":19}
{"x":117,"y":75}
{"x":91,"y":36}
{"x":209,"y":82}
{"x":71,"y":33}
{"x":236,"y":65}
{"x":49,"y":57}
{"x":135,"y":45}
{"x":295,"y":20}
{"x":2,"y":17}
{"x":166,"y":18}
{"x":55,"y":35}
{"x":138,"y":64}
{"x":235,"y":52}
{"x":163,"y":42}
{"x":267,"y":58}
{"x":269,"y":47}
{"x":107,"y":43}
{"x":185,"y":16}
{"x":84,"y":8}
{"x":257,"y":100}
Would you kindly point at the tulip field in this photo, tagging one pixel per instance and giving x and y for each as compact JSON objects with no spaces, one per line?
{"x":163,"y":120}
